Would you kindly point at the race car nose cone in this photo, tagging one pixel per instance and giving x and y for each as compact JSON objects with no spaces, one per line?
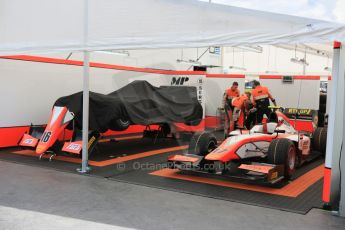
{"x":59,"y":119}
{"x":41,"y":149}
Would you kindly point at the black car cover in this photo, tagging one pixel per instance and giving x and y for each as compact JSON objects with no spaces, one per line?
{"x":139,"y":103}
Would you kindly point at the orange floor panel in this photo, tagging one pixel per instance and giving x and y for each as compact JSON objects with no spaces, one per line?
{"x":105,"y":162}
{"x":293,"y":189}
{"x":123,"y":138}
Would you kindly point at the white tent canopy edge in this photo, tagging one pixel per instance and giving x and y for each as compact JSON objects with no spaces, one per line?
{"x":54,"y":26}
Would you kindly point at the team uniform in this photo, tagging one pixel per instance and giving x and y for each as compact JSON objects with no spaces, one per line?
{"x":238,"y":104}
{"x":251,"y":113}
{"x":261,"y":97}
{"x":231,"y":94}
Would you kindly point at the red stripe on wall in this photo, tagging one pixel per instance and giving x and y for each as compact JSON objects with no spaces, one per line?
{"x":306,"y":77}
{"x":180,"y":127}
{"x":99,"y":65}
{"x":270,"y":77}
{"x":212,"y":122}
{"x":225,"y":75}
{"x":326,"y":193}
{"x":12,"y":135}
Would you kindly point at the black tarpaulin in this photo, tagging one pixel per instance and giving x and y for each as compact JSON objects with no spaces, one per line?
{"x":140,"y":103}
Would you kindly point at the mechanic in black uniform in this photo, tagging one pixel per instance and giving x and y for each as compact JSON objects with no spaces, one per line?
{"x":261,"y":100}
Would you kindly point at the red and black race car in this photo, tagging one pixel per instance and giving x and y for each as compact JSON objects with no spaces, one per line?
{"x":268,"y":152}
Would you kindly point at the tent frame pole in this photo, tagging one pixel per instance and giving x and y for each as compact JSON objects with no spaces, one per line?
{"x":333,"y":195}
{"x":85,"y":132}
{"x":341,"y":164}
{"x":86,"y":87}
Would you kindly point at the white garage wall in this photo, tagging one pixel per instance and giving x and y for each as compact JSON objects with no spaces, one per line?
{"x":302,"y":94}
{"x":29,"y":89}
{"x":275,"y":60}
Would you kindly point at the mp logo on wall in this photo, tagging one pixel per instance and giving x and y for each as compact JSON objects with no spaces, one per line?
{"x":191,"y":81}
{"x":179,"y":80}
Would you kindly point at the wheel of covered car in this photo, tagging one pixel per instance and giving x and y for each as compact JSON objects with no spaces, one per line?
{"x":120,"y":124}
{"x":320,"y":139}
{"x":202,"y":143}
{"x":283,"y":152}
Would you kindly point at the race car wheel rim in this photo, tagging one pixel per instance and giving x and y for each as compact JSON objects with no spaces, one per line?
{"x":124,"y":122}
{"x":291,"y":158}
{"x":211,"y":146}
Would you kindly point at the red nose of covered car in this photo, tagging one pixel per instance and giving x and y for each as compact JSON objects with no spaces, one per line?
{"x":59,"y":119}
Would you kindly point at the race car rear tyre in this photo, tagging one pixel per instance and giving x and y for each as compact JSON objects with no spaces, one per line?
{"x":282,"y":151}
{"x":120,"y":124}
{"x":202,"y":143}
{"x":320,"y":139}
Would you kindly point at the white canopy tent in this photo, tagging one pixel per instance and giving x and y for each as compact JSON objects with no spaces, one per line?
{"x":48,"y":25}
{"x":89,"y":25}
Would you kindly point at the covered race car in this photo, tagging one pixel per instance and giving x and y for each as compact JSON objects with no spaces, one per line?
{"x":268,"y":152}
{"x":136,"y":103}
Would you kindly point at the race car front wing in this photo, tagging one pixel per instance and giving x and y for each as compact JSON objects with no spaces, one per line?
{"x":250,"y":171}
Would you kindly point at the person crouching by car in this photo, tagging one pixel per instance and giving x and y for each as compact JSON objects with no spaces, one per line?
{"x":240,"y":105}
{"x":261,"y":100}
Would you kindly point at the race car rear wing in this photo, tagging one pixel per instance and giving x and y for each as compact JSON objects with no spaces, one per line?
{"x":300,"y":114}
{"x":305,"y":120}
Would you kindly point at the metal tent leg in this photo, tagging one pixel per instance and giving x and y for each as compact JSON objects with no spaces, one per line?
{"x":85,"y":135}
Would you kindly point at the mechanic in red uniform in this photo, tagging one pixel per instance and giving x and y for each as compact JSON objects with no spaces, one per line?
{"x":240,"y":105}
{"x":261,"y":97}
{"x":227,"y":102}
{"x":230,"y":94}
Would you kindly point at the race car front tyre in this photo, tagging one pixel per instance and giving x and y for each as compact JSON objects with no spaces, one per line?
{"x":120,"y":124}
{"x":320,"y":139}
{"x":202,"y":143}
{"x":282,"y":151}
